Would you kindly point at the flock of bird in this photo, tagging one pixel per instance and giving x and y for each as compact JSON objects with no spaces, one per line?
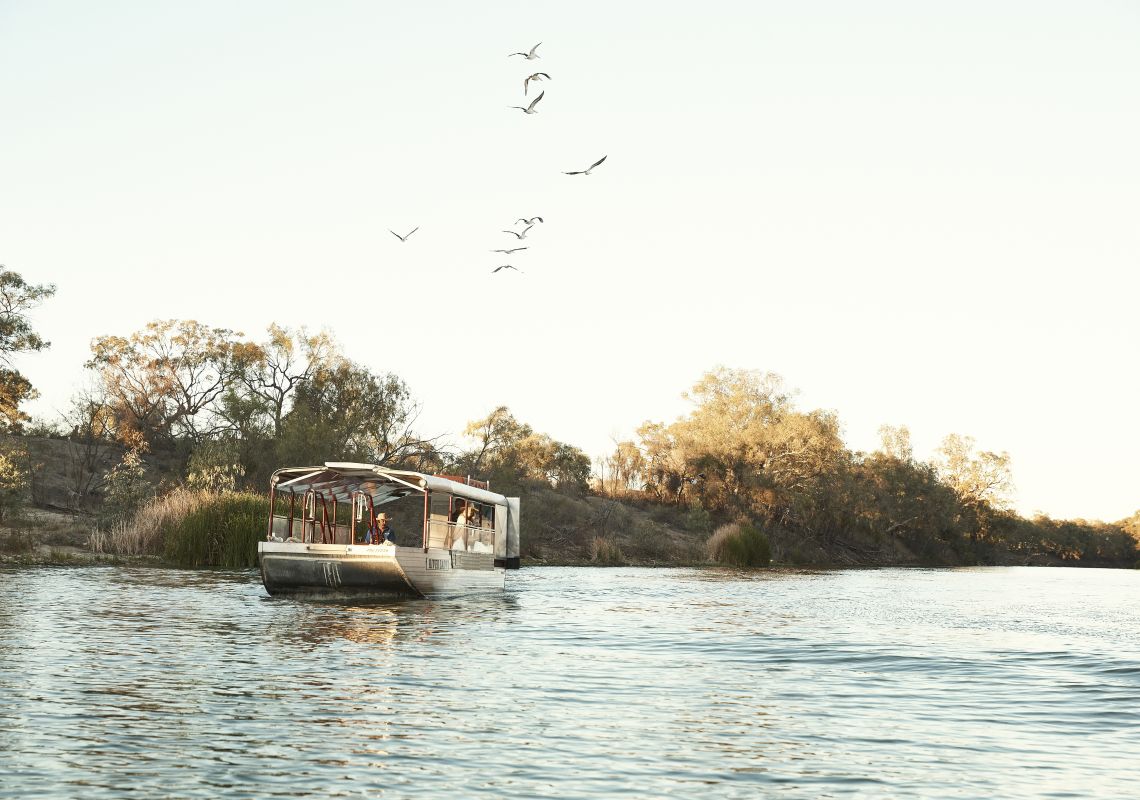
{"x":535,"y":77}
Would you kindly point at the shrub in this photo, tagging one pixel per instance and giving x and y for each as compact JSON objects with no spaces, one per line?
{"x":215,"y":466}
{"x":14,"y":476}
{"x":739,"y":545}
{"x":606,"y":553}
{"x":127,"y":488}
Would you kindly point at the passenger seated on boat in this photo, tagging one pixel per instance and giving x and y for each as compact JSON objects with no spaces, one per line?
{"x":459,"y":533}
{"x":384,"y":532}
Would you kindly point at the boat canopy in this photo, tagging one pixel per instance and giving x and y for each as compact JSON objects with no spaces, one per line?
{"x":342,"y":479}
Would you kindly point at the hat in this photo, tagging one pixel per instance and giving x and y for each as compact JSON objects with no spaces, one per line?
{"x":381,"y":515}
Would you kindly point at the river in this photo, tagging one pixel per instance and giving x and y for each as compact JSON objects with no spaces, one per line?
{"x":120,"y":682}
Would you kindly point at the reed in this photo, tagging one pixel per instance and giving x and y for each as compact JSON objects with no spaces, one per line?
{"x":606,"y":553}
{"x":739,"y":545}
{"x":192,"y":529}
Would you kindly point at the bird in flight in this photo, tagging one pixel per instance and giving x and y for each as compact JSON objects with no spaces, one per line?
{"x":508,"y":252}
{"x":528,"y":221}
{"x":505,"y":266}
{"x":404,"y":238}
{"x":530,"y":109}
{"x":588,"y":169}
{"x":538,"y":76}
{"x":528,"y":56}
{"x":520,"y":235}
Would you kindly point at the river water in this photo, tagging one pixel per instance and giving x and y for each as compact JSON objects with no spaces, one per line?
{"x":989,"y":683}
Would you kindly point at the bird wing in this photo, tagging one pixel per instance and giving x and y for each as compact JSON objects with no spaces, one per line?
{"x":531,"y":53}
{"x":540,"y":219}
{"x":516,"y":54}
{"x":543,"y":74}
{"x":599,"y":161}
{"x":535,"y":101}
{"x":579,"y":172}
{"x":527,"y":228}
{"x":526,"y":83}
{"x":413,"y":230}
{"x":512,"y":233}
{"x":517,"y":221}
{"x":398,"y":236}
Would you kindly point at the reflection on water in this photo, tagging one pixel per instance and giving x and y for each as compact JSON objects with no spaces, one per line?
{"x":575,"y":683}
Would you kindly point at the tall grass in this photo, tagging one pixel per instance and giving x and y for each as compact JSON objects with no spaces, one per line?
{"x":193,"y":529}
{"x":739,"y":545}
{"x":606,"y":553}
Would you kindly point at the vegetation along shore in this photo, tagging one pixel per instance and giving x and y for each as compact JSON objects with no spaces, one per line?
{"x":167,"y":455}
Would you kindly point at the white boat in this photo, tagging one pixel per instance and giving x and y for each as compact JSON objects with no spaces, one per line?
{"x":318,"y":543}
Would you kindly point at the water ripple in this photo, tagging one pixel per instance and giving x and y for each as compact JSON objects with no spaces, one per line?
{"x":1011,"y":683}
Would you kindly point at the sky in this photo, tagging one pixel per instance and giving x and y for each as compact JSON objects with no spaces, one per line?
{"x":920,"y":214}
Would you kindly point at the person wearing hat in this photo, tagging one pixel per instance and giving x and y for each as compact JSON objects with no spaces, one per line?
{"x":383,"y":533}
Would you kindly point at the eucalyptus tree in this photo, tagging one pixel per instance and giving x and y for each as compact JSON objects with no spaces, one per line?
{"x":17,"y":298}
{"x":162,"y":383}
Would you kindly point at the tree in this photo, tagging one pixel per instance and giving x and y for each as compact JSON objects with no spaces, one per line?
{"x":270,"y":372}
{"x":88,"y":442}
{"x":497,"y":432}
{"x":509,"y":451}
{"x":17,"y":297}
{"x":14,"y":479}
{"x":344,"y":411}
{"x":983,"y":478}
{"x":895,"y":442}
{"x":160,"y":379}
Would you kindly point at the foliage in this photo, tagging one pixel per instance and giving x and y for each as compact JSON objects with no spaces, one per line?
{"x":159,"y":380}
{"x":739,"y":545}
{"x":979,"y":479}
{"x":222,"y":531}
{"x":346,"y":412}
{"x":14,"y":480}
{"x":17,"y":297}
{"x":510,"y":452}
{"x":127,"y":487}
{"x":606,"y":553}
{"x":215,"y":466}
{"x":193,"y":529}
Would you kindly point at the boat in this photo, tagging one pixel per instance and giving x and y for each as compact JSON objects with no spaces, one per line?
{"x":321,"y":538}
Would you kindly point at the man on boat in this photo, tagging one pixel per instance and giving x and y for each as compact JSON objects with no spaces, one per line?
{"x":384,"y":533}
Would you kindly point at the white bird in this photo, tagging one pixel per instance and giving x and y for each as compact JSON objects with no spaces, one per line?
{"x":505,"y":266}
{"x":530,"y":109}
{"x":520,"y":235}
{"x":508,"y":252}
{"x":538,"y":76}
{"x":528,"y":56}
{"x":404,"y":238}
{"x":528,"y":221}
{"x":588,"y":169}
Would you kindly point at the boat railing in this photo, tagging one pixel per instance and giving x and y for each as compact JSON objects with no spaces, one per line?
{"x":456,"y":536}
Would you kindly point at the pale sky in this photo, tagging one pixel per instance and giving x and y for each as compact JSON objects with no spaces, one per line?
{"x":922,"y":214}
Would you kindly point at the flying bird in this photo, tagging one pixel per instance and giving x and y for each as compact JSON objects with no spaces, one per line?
{"x":508,"y":252}
{"x":404,"y":238}
{"x":538,"y":76}
{"x":505,"y":266}
{"x":530,"y":109}
{"x":528,"y":56}
{"x":590,"y":168}
{"x":520,"y":235}
{"x":528,"y":222}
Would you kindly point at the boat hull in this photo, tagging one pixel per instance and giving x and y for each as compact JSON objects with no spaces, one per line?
{"x":375,"y":571}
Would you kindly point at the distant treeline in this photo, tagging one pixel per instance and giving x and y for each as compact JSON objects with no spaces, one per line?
{"x":183,"y":404}
{"x":747,"y":451}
